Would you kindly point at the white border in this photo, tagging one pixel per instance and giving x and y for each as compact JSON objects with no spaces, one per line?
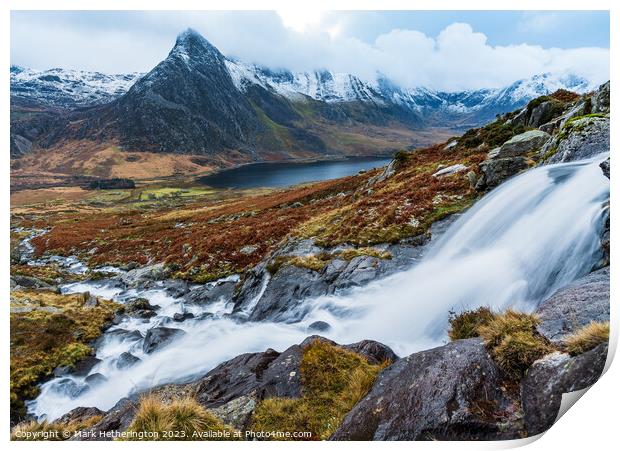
{"x":591,"y":425}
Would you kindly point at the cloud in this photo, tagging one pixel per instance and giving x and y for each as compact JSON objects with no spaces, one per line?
{"x":459,"y":57}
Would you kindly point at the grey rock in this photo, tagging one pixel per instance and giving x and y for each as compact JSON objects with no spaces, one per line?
{"x":125,"y":360}
{"x":578,"y":140}
{"x":237,"y":412}
{"x":118,"y":418}
{"x":374,"y":351}
{"x":454,"y":169}
{"x":575,"y":306}
{"x":30,"y":282}
{"x":319,"y":326}
{"x":520,"y":145}
{"x":95,"y":379}
{"x":140,"y":308}
{"x":180,"y":317}
{"x":448,"y":393}
{"x":80,"y":369}
{"x":79,"y":414}
{"x":211,"y":292}
{"x":605,"y":167}
{"x":547,"y":379}
{"x":543,"y":113}
{"x":159,"y":337}
{"x":496,"y":171}
{"x":600,"y":100}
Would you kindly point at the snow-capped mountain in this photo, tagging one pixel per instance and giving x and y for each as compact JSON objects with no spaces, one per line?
{"x":68,"y":88}
{"x":198,"y":101}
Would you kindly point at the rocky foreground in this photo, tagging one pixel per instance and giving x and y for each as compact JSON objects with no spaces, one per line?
{"x":470,"y":388}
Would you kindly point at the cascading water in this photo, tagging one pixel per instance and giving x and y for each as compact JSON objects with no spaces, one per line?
{"x":515,"y":247}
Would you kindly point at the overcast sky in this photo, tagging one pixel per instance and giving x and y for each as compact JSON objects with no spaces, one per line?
{"x":439,"y":49}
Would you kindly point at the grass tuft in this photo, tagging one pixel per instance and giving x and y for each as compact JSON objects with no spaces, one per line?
{"x":333,"y":381}
{"x":185,"y":417}
{"x":587,"y":338}
{"x":465,"y":324}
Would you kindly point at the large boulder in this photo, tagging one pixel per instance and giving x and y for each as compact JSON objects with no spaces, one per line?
{"x":140,"y":308}
{"x":159,"y":337}
{"x":453,"y":392}
{"x":522,"y":144}
{"x":600,"y":99}
{"x":497,"y":170}
{"x":580,"y":138}
{"x":549,"y":378}
{"x":575,"y":306}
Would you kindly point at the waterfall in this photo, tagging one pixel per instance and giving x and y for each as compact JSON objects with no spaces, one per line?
{"x":516,"y":246}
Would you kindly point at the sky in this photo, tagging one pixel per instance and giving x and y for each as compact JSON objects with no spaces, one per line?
{"x":448,"y":50}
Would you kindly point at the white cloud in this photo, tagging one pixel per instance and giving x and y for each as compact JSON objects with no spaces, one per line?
{"x":457,"y":58}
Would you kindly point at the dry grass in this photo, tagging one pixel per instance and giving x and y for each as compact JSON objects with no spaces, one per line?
{"x":49,"y":330}
{"x":333,"y":381}
{"x":513,"y":342}
{"x":587,"y":338}
{"x":465,"y":324}
{"x":185,"y":417}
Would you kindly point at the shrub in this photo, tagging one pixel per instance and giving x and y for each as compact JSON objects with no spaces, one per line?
{"x":466,"y":324}
{"x":184,"y":415}
{"x":333,"y":381}
{"x":587,"y":338}
{"x":513,"y":342}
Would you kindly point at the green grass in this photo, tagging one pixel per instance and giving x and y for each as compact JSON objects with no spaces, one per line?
{"x":465,"y":324}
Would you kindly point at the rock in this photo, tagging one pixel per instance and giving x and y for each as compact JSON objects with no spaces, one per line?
{"x":211,"y":292}
{"x":79,"y":414}
{"x":136,"y":276}
{"x":125,"y":360}
{"x":118,"y":334}
{"x":90,"y":301}
{"x":605,"y":167}
{"x":575,"y":306}
{"x":544,"y":112}
{"x":159,"y":337}
{"x":522,"y":144}
{"x":140,"y":308}
{"x":95,"y":379}
{"x":448,"y":393}
{"x":80,"y":369}
{"x":547,"y":379}
{"x":520,"y":118}
{"x":319,"y":326}
{"x":388,"y":172}
{"x":118,"y":418}
{"x":236,"y":413}
{"x":249,"y":249}
{"x":374,"y":351}
{"x":177,"y":288}
{"x":180,"y":317}
{"x":600,"y":100}
{"x":496,"y":171}
{"x":472,"y":178}
{"x":579,"y":139}
{"x":454,"y":169}
{"x":451,"y":145}
{"x":30,"y":282}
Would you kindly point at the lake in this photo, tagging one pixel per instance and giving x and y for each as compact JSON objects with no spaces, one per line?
{"x":288,"y":173}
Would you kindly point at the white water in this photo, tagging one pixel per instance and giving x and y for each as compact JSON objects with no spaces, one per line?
{"x":521,"y":242}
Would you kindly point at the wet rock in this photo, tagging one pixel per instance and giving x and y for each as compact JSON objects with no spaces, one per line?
{"x":605,"y":167}
{"x":126,"y":360}
{"x":80,"y":369}
{"x":212,"y":292}
{"x":319,"y":326}
{"x":374,"y":351}
{"x":579,"y":139}
{"x":547,"y":379}
{"x":496,"y":171}
{"x":177,"y":288}
{"x":69,"y":387}
{"x":118,"y":334}
{"x":180,"y":317}
{"x":95,"y":379}
{"x":575,"y":306}
{"x":520,"y":145}
{"x":140,"y":308}
{"x":448,"y":393}
{"x":159,"y":337}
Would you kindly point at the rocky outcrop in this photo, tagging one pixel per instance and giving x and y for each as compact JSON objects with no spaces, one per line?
{"x":496,"y":171}
{"x":575,"y":306}
{"x":579,"y":139}
{"x":549,"y":378}
{"x":454,"y":169}
{"x":448,"y":393}
{"x":263,"y":295}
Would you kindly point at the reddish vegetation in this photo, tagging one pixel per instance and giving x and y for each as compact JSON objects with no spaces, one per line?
{"x":565,"y":96}
{"x":205,"y":241}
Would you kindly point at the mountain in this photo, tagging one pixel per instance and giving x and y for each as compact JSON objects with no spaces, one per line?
{"x":199,"y":102}
{"x":68,"y":88}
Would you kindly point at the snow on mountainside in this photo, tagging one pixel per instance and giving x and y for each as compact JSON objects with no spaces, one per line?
{"x":68,"y":88}
{"x":71,"y":88}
